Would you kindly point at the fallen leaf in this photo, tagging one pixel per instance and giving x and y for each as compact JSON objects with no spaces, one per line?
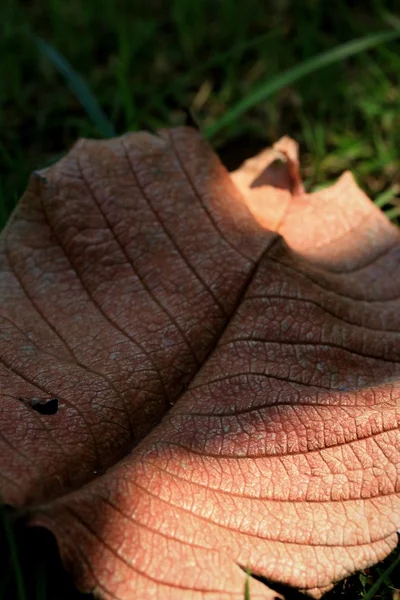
{"x":225,"y":355}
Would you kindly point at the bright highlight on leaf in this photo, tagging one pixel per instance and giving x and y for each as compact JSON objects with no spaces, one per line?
{"x":221,"y":352}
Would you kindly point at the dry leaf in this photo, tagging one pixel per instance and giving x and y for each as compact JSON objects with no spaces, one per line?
{"x":224,"y":399}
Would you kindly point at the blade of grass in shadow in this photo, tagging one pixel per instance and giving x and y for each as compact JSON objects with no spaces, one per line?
{"x":266,"y":89}
{"x":41,"y":582}
{"x":79,"y":87}
{"x":390,"y":19}
{"x":21,"y":594}
{"x":219,"y":58}
{"x":382,"y":579}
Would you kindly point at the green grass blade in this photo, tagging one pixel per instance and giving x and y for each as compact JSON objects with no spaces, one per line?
{"x":391,"y":19}
{"x":266,"y":89}
{"x":386,"y":196}
{"x":79,"y":87}
{"x":374,"y":589}
{"x":21,"y":594}
{"x":41,"y":582}
{"x":392,"y":213}
{"x":247,"y":586}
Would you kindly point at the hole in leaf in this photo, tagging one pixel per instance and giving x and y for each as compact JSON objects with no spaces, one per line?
{"x":46,"y":406}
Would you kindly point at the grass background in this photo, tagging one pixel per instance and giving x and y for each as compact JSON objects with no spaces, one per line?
{"x":150,"y":64}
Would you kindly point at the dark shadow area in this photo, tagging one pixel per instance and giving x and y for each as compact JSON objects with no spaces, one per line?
{"x":31,"y":564}
{"x":233,"y":154}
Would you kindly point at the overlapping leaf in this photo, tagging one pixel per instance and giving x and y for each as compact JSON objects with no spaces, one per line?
{"x":227,"y":398}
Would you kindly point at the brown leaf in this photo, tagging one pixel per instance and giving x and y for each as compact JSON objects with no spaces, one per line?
{"x":227,"y":399}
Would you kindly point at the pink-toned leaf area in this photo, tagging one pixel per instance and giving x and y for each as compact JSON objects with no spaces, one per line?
{"x":219,"y":354}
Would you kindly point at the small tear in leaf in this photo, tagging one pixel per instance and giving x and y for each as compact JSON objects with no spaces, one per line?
{"x":44,"y":406}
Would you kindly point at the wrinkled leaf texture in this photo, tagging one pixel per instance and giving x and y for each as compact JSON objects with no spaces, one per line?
{"x":225,"y":353}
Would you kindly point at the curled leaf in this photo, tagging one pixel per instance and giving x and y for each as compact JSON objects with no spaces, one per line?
{"x":225,"y":355}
